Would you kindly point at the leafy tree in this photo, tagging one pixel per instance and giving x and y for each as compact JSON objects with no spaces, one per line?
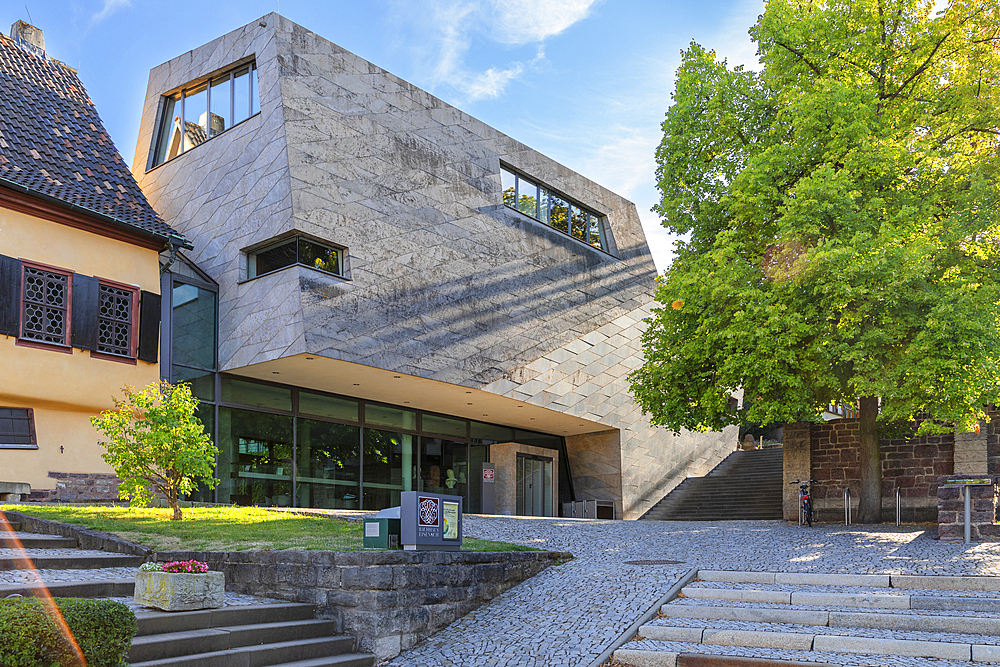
{"x":841,"y":213}
{"x":156,"y":444}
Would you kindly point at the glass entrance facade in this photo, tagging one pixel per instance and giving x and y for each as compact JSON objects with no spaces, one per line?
{"x":282,"y":446}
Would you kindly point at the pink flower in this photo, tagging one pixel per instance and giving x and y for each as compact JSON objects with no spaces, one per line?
{"x":186,"y":566}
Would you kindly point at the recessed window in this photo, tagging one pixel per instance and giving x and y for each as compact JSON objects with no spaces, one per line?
{"x":536,"y":200}
{"x":296,"y":250}
{"x":45,"y":306}
{"x":116,"y":320}
{"x":17,"y":429}
{"x":205,"y":109}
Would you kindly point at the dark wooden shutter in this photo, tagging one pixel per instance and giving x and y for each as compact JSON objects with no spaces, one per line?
{"x":149,"y":326}
{"x":10,"y":296}
{"x":86,"y":306}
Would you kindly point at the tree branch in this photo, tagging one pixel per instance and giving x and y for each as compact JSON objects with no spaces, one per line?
{"x":801,"y":56}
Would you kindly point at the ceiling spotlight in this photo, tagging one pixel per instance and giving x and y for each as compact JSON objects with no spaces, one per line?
{"x":310,"y":358}
{"x":468,"y":403}
{"x":275,"y":373}
{"x":397,"y":376}
{"x":356,"y":384}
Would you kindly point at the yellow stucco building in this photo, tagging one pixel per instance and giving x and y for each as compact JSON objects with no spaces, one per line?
{"x":79,"y":276}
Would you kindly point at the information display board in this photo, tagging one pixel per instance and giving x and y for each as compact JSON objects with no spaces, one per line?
{"x":430,"y":521}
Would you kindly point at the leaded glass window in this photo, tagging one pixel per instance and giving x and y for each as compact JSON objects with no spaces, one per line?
{"x":115,"y":320}
{"x":46,"y":301}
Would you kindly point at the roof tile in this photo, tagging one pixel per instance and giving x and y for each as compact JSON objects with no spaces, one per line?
{"x":39,"y":96}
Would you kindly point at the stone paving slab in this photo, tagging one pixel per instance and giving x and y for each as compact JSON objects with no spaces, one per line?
{"x":901,"y":592}
{"x":840,"y":631}
{"x":813,"y":657}
{"x":734,"y":604}
{"x":10,"y":577}
{"x":567,"y":615}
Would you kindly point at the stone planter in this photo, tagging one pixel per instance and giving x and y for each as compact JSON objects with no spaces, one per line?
{"x":180,"y":591}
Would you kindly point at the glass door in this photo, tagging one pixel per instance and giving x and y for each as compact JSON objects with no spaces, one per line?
{"x":534,"y":485}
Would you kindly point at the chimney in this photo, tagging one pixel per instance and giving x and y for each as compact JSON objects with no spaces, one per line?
{"x":28,"y":37}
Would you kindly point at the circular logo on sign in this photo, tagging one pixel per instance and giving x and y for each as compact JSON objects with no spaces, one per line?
{"x":428,"y":511}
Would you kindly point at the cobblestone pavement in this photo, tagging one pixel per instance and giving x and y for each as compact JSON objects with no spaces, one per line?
{"x":567,"y":615}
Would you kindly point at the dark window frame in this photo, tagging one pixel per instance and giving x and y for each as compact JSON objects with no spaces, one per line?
{"x":65,"y":345}
{"x":252,"y":252}
{"x":133,"y":345}
{"x":33,"y":444}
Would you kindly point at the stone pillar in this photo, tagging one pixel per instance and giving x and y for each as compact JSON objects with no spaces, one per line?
{"x":970,"y":452}
{"x":951,"y":511}
{"x":798,"y":465}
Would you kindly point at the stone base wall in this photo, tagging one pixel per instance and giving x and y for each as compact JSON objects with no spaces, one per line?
{"x":388,"y":600}
{"x":951,"y":511}
{"x":79,"y":486}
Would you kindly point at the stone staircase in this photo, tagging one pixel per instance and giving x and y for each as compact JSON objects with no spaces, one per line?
{"x":237,"y":635}
{"x":782,"y":619}
{"x":745,"y":485}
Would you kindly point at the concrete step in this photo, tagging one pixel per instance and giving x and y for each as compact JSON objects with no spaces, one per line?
{"x":346,"y":660}
{"x":652,"y":653}
{"x":838,"y":619}
{"x":159,"y":622}
{"x":9,"y":526}
{"x":21,"y":540}
{"x":66,"y":561}
{"x":108,"y":588}
{"x":190,"y":642}
{"x":281,"y":653}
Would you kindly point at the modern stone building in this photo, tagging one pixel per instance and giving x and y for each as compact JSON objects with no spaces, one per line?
{"x":403,"y":292}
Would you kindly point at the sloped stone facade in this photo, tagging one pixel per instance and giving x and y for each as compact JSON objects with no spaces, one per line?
{"x":442,"y":280}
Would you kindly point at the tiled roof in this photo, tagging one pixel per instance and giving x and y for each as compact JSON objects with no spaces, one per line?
{"x":53,"y":142}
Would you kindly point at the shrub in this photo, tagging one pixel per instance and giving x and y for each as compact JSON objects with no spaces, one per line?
{"x":151,"y":567}
{"x":30,"y":637}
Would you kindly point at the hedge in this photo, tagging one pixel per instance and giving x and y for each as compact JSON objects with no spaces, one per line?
{"x":30,"y":638}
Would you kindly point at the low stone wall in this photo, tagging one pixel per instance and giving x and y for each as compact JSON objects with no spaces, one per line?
{"x":388,"y":600}
{"x":86,"y":538}
{"x":951,"y":511}
{"x":80,"y":486}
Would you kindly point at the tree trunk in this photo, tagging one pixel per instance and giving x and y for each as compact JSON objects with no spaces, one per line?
{"x":870,"y":463}
{"x":176,"y":508}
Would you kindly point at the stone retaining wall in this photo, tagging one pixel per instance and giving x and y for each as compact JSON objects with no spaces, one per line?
{"x":389,"y":600}
{"x":86,"y":538}
{"x":829,"y":453}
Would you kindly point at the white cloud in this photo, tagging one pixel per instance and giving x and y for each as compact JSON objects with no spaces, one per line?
{"x":110,"y":7}
{"x":454,"y":25}
{"x":527,"y":21}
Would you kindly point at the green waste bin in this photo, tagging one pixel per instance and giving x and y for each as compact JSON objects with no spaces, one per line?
{"x":381,"y":534}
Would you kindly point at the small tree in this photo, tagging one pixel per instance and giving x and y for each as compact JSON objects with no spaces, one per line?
{"x":157,"y":444}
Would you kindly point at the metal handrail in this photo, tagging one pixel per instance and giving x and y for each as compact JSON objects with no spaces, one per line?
{"x":847,"y":506}
{"x":899,"y":512}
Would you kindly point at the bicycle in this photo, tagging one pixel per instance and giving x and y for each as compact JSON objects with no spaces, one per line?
{"x":806,"y":511}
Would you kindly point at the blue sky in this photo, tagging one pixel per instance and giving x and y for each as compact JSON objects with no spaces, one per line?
{"x":585,"y":82}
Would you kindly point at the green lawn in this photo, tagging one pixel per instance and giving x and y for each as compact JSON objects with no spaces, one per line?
{"x":223,"y":528}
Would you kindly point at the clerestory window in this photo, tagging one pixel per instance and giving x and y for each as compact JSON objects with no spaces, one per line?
{"x":543,"y":204}
{"x":205,"y":109}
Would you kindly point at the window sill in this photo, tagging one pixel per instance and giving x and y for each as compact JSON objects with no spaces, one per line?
{"x":223,"y":133}
{"x":561,"y":233}
{"x":42,"y":345}
{"x":291,"y":266}
{"x":3,"y":446}
{"x":113,"y":357}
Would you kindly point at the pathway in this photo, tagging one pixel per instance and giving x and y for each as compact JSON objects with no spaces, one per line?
{"x":567,"y":615}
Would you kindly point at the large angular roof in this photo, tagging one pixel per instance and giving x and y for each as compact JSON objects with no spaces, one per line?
{"x":52,"y":142}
